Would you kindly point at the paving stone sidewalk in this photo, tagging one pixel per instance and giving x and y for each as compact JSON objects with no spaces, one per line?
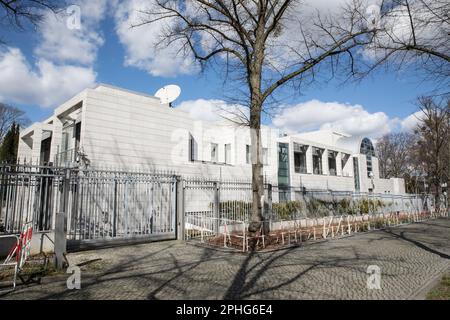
{"x":410,"y":257}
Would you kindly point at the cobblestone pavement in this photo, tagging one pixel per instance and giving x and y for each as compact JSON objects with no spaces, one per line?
{"x":409,"y":257}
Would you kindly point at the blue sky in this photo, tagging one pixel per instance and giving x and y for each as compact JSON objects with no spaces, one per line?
{"x":108,"y":54}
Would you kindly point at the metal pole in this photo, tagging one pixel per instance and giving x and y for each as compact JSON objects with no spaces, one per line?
{"x":115,"y":209}
{"x":216,"y":207}
{"x":61,"y":223}
{"x":181,"y":229}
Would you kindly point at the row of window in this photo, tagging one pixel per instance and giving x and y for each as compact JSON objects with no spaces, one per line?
{"x":227,"y":153}
{"x":300,"y":163}
{"x":248,"y":155}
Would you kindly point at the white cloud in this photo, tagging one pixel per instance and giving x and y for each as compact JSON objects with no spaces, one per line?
{"x":46,"y":84}
{"x":64,"y":59}
{"x":410,"y":123}
{"x":139,"y":43}
{"x":307,"y":116}
{"x":352,"y":119}
{"x":60,"y":44}
{"x":212,"y":110}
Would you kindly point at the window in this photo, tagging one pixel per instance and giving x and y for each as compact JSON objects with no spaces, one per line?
{"x":77,"y":135}
{"x":367,"y":147}
{"x":214,"y":152}
{"x":344,"y":159}
{"x":356,"y":173}
{"x":65,"y":142}
{"x":332,"y":163}
{"x":369,"y":151}
{"x":283,"y":164}
{"x":228,"y":153}
{"x":369,"y":166}
{"x":317,"y":160}
{"x":265,"y":156}
{"x":248,"y":155}
{"x":45,"y":150}
{"x":192,"y":149}
{"x":300,"y":158}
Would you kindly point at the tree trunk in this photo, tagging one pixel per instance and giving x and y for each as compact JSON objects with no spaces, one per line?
{"x":257,"y":176}
{"x":256,"y":105}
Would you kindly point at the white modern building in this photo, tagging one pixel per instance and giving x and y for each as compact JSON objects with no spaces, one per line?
{"x":109,"y":127}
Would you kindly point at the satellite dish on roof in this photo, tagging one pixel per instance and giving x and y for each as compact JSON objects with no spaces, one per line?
{"x":168,"y":94}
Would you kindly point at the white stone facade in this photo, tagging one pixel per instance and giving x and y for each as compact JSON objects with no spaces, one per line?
{"x":109,"y":127}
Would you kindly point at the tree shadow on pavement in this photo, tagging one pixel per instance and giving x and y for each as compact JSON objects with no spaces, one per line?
{"x":401,"y":235}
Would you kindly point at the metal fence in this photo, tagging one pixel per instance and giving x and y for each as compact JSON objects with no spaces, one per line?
{"x":29,"y":193}
{"x":302,"y":203}
{"x":108,"y":204}
{"x":114,"y":204}
{"x":212,"y":206}
{"x":99,"y":204}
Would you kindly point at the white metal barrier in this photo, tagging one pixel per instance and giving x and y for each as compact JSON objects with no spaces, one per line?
{"x":20,"y":252}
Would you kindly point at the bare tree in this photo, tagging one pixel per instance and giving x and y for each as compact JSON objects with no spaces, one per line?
{"x":433,"y":146}
{"x":10,"y":115}
{"x":414,"y":34}
{"x":264,"y":45}
{"x":17,"y":13}
{"x":394,"y":152}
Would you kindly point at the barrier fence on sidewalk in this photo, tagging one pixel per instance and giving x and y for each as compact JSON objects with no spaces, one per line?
{"x":103,"y":205}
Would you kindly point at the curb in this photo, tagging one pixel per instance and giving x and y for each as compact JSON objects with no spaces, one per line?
{"x":421,"y":293}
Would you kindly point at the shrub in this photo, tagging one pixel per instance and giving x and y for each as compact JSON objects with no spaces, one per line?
{"x":286,"y":210}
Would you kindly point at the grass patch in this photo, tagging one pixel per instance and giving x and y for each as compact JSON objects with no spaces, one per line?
{"x":36,"y":267}
{"x":441,"y":291}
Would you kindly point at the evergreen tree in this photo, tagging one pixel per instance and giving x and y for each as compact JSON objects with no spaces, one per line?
{"x":10,"y":144}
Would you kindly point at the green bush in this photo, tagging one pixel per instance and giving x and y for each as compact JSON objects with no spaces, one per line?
{"x":312,"y":207}
{"x":288,"y":209}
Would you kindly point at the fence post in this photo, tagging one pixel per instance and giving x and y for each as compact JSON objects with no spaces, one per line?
{"x":180,"y":209}
{"x":269,"y":211}
{"x":61,"y":222}
{"x":216,"y":207}
{"x":115,"y":209}
{"x":60,"y":239}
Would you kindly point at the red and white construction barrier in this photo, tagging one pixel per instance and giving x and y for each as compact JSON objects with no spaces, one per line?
{"x":20,"y":251}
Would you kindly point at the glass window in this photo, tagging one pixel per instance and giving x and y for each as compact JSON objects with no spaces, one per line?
{"x":332,"y":163}
{"x":192,"y":148}
{"x":214,"y":152}
{"x":356,"y":173}
{"x":345,"y":158}
{"x":248,"y":155}
{"x":300,"y":158}
{"x":283,"y":164}
{"x":317,"y":160}
{"x":367,"y":147}
{"x":77,"y":135}
{"x":369,"y":151}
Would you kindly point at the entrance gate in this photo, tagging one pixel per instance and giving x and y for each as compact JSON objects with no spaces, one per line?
{"x":100,"y":206}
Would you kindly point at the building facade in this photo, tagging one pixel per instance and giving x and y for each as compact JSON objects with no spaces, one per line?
{"x":109,"y":127}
